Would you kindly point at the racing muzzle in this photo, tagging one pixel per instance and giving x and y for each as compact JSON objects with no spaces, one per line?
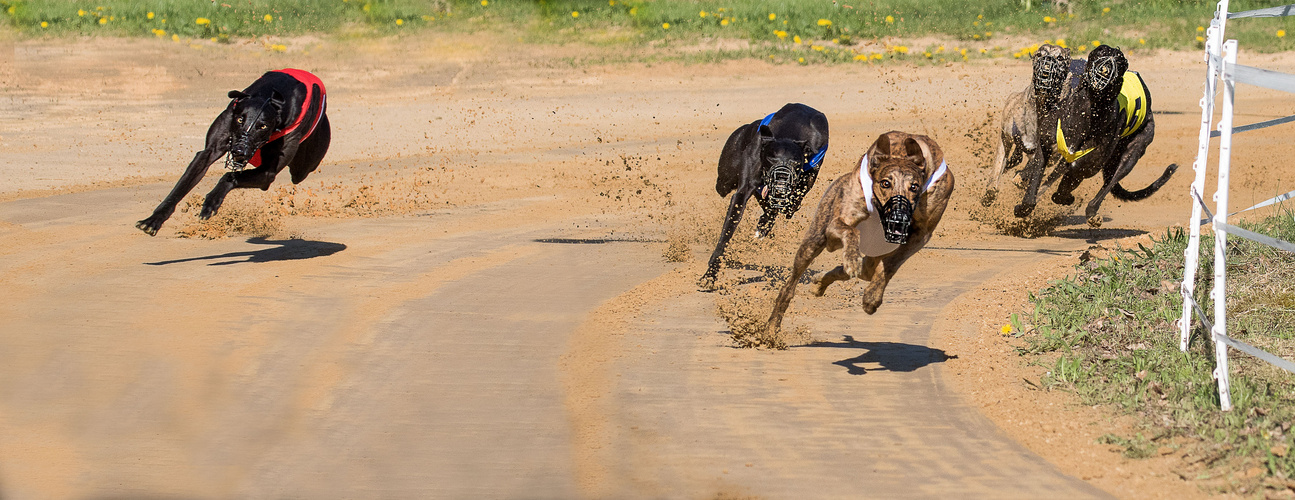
{"x":897,"y":219}
{"x":781,"y":180}
{"x":1101,"y":73}
{"x":1050,"y":76}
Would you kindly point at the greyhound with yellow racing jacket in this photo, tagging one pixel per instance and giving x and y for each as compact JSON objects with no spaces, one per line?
{"x":1103,"y":125}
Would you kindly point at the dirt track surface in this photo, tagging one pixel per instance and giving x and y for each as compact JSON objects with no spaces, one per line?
{"x":474,"y":301}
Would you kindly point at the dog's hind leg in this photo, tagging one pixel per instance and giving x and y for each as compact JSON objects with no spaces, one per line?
{"x":736,"y":206}
{"x":809,"y":249}
{"x":833,"y":276}
{"x":1006,"y":147}
{"x":217,"y":145}
{"x":311,"y":152}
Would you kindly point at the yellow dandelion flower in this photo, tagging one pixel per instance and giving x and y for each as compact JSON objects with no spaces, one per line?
{"x":103,"y":20}
{"x":824,"y":22}
{"x":927,"y":54}
{"x":939,"y":50}
{"x":796,"y":39}
{"x":976,"y":23}
{"x":983,"y":51}
{"x":782,"y":35}
{"x":159,"y":33}
{"x":1061,"y":42}
{"x":202,"y":21}
{"x":175,"y":38}
{"x":989,"y":34}
{"x":634,"y":11}
{"x":1200,"y":39}
{"x":279,"y":48}
{"x":1142,"y":41}
{"x":1006,"y":329}
{"x":702,"y":14}
{"x":1105,"y":10}
{"x":150,"y":15}
{"x":365,"y":7}
{"x":975,"y":37}
{"x":1049,"y":19}
{"x":611,"y":2}
{"x":1281,"y":33}
{"x":80,"y":12}
{"x":400,"y":22}
{"x":665,"y":26}
{"x":213,"y":39}
{"x":1096,"y":43}
{"x":723,"y":22}
{"x":575,"y":14}
{"x":1200,"y":29}
{"x":485,"y":3}
{"x":980,"y":16}
{"x":878,"y":56}
{"x":801,"y":60}
{"x":44,"y":24}
{"x":890,"y":19}
{"x":818,"y":48}
{"x":963,"y":52}
{"x":773,"y":16}
{"x":901,"y":49}
{"x":268,"y":18}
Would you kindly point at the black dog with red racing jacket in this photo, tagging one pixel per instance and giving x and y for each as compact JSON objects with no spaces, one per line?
{"x":278,"y":121}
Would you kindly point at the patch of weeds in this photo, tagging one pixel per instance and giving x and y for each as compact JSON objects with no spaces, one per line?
{"x":1109,"y":335}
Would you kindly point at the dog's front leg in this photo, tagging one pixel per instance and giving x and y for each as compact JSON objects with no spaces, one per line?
{"x":217,"y":145}
{"x":840,"y":233}
{"x":883,"y":269}
{"x":736,"y":207}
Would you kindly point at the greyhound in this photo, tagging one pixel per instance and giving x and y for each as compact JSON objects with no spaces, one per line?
{"x":882,"y":214}
{"x":1104,"y":125}
{"x":278,"y":121}
{"x":776,"y":160}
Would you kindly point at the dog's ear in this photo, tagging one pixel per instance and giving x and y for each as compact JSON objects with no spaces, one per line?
{"x":879,"y":151}
{"x":923,"y":151}
{"x":235,"y":94}
{"x":766,"y":133}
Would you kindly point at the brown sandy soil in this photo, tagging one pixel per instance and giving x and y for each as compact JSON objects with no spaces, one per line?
{"x":470,"y":298}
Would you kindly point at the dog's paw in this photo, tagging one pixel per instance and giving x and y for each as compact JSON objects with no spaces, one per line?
{"x":1063,"y":198}
{"x":989,"y":197}
{"x":149,"y":226}
{"x":1095,"y":220}
{"x":852,"y":263}
{"x":870,"y":307}
{"x":1022,"y":211}
{"x":706,"y":283}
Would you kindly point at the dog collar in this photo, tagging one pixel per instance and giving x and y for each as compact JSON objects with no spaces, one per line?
{"x":865,"y":179}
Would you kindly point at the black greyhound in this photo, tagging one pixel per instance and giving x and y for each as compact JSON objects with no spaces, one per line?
{"x":776,"y":160}
{"x":278,"y":121}
{"x":1104,"y":125}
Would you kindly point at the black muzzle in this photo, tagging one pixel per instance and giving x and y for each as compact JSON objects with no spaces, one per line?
{"x":781,"y":180}
{"x":897,"y":219}
{"x":240,"y":151}
{"x":1101,"y":73}
{"x":1050,"y":75}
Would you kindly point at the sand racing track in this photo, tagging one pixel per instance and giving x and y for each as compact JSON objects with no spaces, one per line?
{"x":470,"y":299}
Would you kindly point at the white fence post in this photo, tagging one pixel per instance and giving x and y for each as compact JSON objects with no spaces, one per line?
{"x":1213,"y":45}
{"x":1220,"y":234}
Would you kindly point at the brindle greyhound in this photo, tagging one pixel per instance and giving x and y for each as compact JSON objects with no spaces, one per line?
{"x":882,"y":214}
{"x":776,"y":160}
{"x":1104,"y":125}
{"x":278,"y":121}
{"x":1054,"y":74}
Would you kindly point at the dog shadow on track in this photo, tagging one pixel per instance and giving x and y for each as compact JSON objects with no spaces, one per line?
{"x":769,"y":274}
{"x":1093,"y":235}
{"x":290,"y":249}
{"x":892,"y":356}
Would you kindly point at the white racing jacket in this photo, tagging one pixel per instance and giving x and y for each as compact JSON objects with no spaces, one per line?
{"x":872,"y":238}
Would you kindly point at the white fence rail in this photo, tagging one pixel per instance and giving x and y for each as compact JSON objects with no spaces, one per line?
{"x":1221,"y":64}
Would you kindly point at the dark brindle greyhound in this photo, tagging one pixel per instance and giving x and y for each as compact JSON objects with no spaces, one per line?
{"x":278,"y":121}
{"x":776,"y":160}
{"x":1104,"y":125}
{"x":882,"y":214}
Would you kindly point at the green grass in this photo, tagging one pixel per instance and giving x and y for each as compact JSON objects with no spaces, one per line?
{"x":1107,"y":334}
{"x":828,"y":31}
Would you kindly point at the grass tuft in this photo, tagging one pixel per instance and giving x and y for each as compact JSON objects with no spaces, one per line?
{"x":1109,"y":335}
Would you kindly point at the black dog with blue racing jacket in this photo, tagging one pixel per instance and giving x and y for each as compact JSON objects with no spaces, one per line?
{"x":776,"y":160}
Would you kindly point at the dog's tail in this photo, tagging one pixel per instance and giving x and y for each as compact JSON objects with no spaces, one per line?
{"x":1119,"y":192}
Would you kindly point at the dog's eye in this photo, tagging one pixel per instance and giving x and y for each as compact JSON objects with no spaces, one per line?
{"x":885,"y":184}
{"x":913,"y":187}
{"x":240,"y":120}
{"x":262,"y":127}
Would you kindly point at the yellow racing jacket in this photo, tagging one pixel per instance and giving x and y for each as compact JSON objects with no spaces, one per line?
{"x":1133,"y":109}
